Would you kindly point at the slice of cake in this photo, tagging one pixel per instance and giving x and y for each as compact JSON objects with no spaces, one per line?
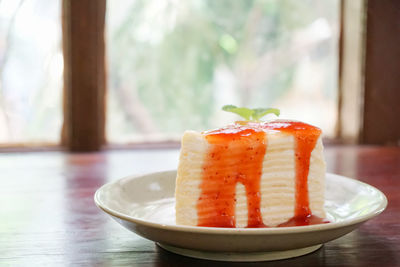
{"x":251,"y":174}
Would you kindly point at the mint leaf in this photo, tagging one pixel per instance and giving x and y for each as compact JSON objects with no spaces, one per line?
{"x":261,"y":112}
{"x":246,"y":113}
{"x":251,"y":114}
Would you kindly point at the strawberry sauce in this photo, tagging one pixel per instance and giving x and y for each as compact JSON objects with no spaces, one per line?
{"x":236,"y":155}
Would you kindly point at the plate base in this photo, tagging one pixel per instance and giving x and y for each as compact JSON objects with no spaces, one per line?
{"x":243,"y":257}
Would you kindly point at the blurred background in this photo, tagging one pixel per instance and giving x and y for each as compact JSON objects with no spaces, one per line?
{"x":171,"y":65}
{"x":31,"y":69}
{"x":174,"y":64}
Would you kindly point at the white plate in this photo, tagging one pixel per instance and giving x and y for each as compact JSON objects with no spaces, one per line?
{"x":145,"y":205}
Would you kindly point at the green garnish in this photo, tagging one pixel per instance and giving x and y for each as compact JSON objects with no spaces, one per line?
{"x":248,"y":114}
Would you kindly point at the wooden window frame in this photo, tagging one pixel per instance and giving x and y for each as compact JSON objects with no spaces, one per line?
{"x":369,"y":82}
{"x":83,"y":27}
{"x":381,"y":118}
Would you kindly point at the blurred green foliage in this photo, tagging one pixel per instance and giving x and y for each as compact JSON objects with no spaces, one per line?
{"x":165,"y":56}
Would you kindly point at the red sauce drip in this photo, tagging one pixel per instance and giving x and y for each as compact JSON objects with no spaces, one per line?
{"x":234,"y":157}
{"x":306,"y":137}
{"x":236,"y":154}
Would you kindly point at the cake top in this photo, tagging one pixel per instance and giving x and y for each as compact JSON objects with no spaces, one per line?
{"x":245,"y":128}
{"x":252,"y":124}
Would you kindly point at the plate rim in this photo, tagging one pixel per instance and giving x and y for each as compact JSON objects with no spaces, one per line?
{"x":238,"y":231}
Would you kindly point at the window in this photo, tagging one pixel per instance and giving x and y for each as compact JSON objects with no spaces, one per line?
{"x":173,"y":64}
{"x":31,"y":67}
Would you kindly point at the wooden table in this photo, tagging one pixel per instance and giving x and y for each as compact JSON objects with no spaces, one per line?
{"x":48,"y":217}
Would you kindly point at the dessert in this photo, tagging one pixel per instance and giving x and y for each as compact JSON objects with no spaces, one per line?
{"x":251,"y":174}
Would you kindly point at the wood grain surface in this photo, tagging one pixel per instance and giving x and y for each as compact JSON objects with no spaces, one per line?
{"x":48,"y":217}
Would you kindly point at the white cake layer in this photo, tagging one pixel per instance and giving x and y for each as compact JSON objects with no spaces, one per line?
{"x":193,"y":151}
{"x":277,"y":181}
